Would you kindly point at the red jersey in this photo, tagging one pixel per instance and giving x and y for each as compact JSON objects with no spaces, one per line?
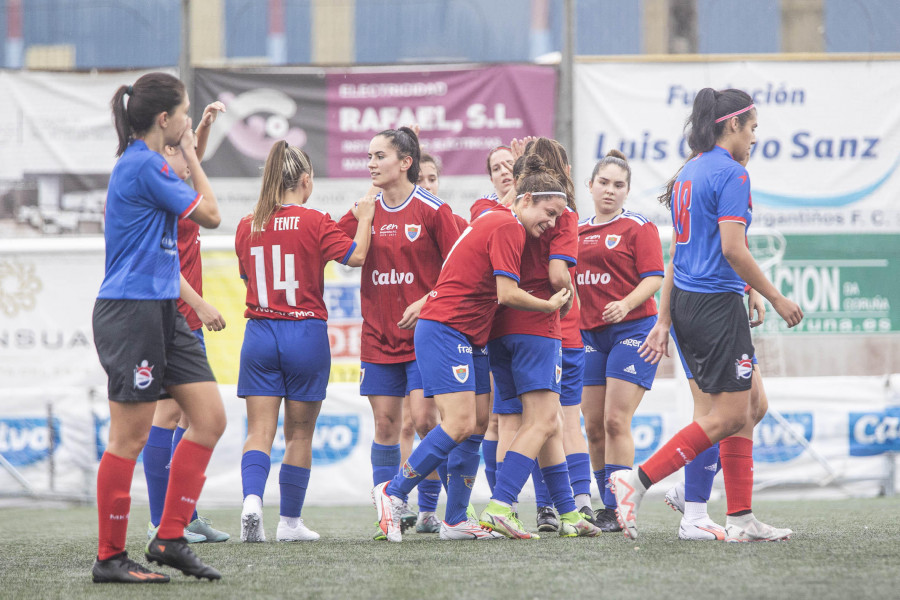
{"x":409,"y":245}
{"x":482,"y":205}
{"x":284,"y":266}
{"x":191,"y":267}
{"x":461,"y":223}
{"x":465,"y":297}
{"x":613,"y":258}
{"x":571,"y":324}
{"x":559,"y":242}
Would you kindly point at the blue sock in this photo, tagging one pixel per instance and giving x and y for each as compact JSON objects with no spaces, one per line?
{"x":156,"y":456}
{"x":557,"y":480}
{"x":429,"y":492}
{"x":176,"y":437}
{"x":579,"y":465}
{"x":462,"y":469}
{"x":511,"y":479}
{"x":385,"y":462}
{"x":442,"y":473}
{"x":427,"y":456}
{"x":609,"y":499}
{"x":255,"y":467}
{"x":293,"y":482}
{"x":541,"y":493}
{"x":489,"y":451}
{"x":600,"y":478}
{"x":699,"y":475}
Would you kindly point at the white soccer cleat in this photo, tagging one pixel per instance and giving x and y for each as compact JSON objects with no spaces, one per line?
{"x":298,"y":533}
{"x":703,"y":529}
{"x":389,"y":510}
{"x":675,"y":497}
{"x":747,"y":528}
{"x":467,"y":530}
{"x":252,"y":525}
{"x":629,"y":491}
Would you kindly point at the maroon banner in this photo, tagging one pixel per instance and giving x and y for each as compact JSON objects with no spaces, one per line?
{"x":461,"y":113}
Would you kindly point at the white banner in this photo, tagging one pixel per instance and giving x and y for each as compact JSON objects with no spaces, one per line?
{"x":828,"y":142}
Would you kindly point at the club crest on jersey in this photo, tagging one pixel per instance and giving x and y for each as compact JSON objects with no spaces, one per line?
{"x":412,"y":232}
{"x":461,"y":372}
{"x":143,"y":375}
{"x":558,"y":373}
{"x":612,"y":241}
{"x":362,"y":375}
{"x":743,"y":367}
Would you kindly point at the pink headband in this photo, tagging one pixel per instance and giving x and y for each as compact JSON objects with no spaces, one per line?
{"x":735,"y":113}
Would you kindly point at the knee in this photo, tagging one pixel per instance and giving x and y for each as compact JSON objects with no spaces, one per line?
{"x":733,"y":424}
{"x":386,"y":426}
{"x":617,"y":426}
{"x":460,"y":427}
{"x":425,"y":424}
{"x":596,"y":433}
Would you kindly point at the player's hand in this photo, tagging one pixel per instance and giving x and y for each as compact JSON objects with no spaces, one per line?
{"x":789,"y":310}
{"x":210,"y":317}
{"x":615,"y":311}
{"x":509,"y":198}
{"x":415,"y":128}
{"x":364,"y":208}
{"x":566,"y":307}
{"x":755,"y":303}
{"x":559,"y":299}
{"x":210,"y":113}
{"x":656,"y":345}
{"x":187,"y":138}
{"x":411,"y":314}
{"x":518,"y":146}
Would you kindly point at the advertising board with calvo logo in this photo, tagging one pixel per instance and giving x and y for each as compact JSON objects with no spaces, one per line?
{"x":334,"y":439}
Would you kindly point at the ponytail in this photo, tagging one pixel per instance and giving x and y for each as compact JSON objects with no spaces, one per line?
{"x":285,"y":165}
{"x":705,"y":125}
{"x":135,"y":107}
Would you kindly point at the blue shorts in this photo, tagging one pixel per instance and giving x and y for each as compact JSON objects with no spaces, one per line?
{"x":523,"y":363}
{"x":612,"y":351}
{"x":572,"y":376}
{"x":395,"y":379}
{"x":482,"y":370}
{"x":445,"y":358}
{"x":289,"y":359}
{"x":684,"y":365}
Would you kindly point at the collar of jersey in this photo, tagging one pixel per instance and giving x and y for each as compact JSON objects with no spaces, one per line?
{"x":397,"y":208}
{"x":727,"y":153}
{"x":615,"y":218}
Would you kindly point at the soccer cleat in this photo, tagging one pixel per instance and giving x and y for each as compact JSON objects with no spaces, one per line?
{"x":427,"y":523}
{"x":203,"y":526}
{"x":502,"y":520}
{"x":629,"y":491}
{"x":588,"y":514}
{"x":379,"y":534}
{"x":467,"y":530}
{"x":675,"y":497}
{"x":176,"y":554}
{"x":407,"y":518}
{"x":704,"y":529}
{"x":606,"y":520}
{"x":252,"y":526}
{"x":470,"y":512}
{"x":546,"y":519}
{"x":121,"y":569}
{"x":388,"y":509}
{"x":190,"y":536}
{"x":573,"y":524}
{"x":297,"y":533}
{"x":747,"y":528}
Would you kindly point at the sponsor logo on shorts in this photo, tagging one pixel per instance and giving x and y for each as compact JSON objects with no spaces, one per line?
{"x":433,"y":294}
{"x":461,"y":372}
{"x":408,"y":471}
{"x":781,"y":440}
{"x":589,"y":348}
{"x":631,"y":369}
{"x":484,"y":351}
{"x":875,"y":432}
{"x":463,"y":349}
{"x":412,"y":232}
{"x":612,"y":241}
{"x":143,"y":375}
{"x":743,"y":367}
{"x":631,"y":342}
{"x":558,"y":373}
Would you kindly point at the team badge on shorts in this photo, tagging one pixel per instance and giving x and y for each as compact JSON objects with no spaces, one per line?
{"x":412,"y":232}
{"x":558,"y":373}
{"x":743,"y":367}
{"x":461,"y":372}
{"x":143,"y":375}
{"x":612,"y":241}
{"x":408,"y":472}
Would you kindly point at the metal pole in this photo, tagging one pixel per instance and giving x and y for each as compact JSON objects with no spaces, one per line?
{"x":564,"y":128}
{"x":186,"y":72}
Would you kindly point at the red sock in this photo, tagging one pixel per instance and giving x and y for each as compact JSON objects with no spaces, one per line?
{"x":113,"y":503}
{"x":677,"y":452}
{"x":187,"y":473}
{"x":736,"y":454}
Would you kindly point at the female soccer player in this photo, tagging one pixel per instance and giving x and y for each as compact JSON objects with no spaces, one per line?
{"x":413,"y":234}
{"x":482,"y":270}
{"x":711,"y":210}
{"x":143,"y":342}
{"x":620,"y":267}
{"x":282,"y":249}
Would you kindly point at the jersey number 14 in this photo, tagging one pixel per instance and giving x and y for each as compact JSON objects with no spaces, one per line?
{"x":289,"y":283}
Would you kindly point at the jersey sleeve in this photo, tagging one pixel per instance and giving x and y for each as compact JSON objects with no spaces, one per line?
{"x":334,"y":242}
{"x":734,"y":195}
{"x":445,"y":230}
{"x":461,"y":223}
{"x":564,"y":243}
{"x":165,"y":190}
{"x":242,"y":232}
{"x":505,"y":250}
{"x":648,"y":259}
{"x":348,"y":224}
{"x":480,"y":206}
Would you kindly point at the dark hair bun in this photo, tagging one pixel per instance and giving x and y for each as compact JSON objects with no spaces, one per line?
{"x":617,"y":154}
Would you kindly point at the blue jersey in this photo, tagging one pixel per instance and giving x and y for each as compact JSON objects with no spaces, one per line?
{"x":712,"y":188}
{"x":143,"y":205}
